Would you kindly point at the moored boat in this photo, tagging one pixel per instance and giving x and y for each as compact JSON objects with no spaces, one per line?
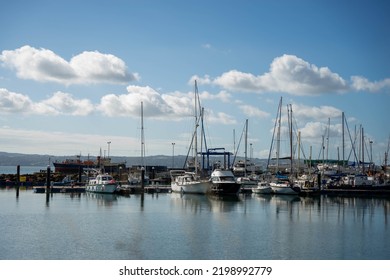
{"x":223,"y":182}
{"x":263,"y":187}
{"x":188,"y":182}
{"x":283,"y":187}
{"x":102,"y":183}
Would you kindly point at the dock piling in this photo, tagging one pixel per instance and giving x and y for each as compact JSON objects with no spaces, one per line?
{"x":17,"y":180}
{"x":143,"y":179}
{"x":47,"y":183}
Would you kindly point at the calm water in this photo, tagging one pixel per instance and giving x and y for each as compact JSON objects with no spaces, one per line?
{"x":23,"y":169}
{"x":168,"y":226}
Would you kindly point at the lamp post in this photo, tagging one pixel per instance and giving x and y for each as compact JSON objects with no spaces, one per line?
{"x":173,"y":155}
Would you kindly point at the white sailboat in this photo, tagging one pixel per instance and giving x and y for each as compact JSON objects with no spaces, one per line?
{"x":281,"y":184}
{"x":191,"y":182}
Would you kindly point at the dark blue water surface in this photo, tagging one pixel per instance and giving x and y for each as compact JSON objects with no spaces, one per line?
{"x":171,"y":226}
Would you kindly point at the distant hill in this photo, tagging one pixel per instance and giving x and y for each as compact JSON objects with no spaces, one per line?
{"x":14,"y":159}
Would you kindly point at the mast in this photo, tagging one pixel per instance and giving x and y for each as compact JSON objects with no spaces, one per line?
{"x":234,"y":141}
{"x":289,"y":111}
{"x":343,"y":144}
{"x":327,"y":142}
{"x":246,"y":145}
{"x":196,"y":129}
{"x":142,"y":136}
{"x":278,"y":135}
{"x":299,"y":151}
{"x":363,"y":148}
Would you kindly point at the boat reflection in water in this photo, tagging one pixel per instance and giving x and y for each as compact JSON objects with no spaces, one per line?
{"x":102,"y":199}
{"x":206,"y":203}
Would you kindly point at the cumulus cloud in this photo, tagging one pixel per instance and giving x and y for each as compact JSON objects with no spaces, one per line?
{"x":287,"y":73}
{"x":172,"y":106}
{"x":65,"y":103}
{"x":58,"y":104}
{"x":363,"y":84}
{"x":321,"y":113}
{"x":130,"y":104}
{"x":11,"y":102}
{"x":315,"y":130}
{"x":45,"y":66}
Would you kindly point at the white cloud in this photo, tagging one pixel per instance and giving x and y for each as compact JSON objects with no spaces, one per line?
{"x":11,"y":102}
{"x":303,"y":113}
{"x":205,"y":80}
{"x":64,"y":103}
{"x":130,"y":104}
{"x":287,"y":73}
{"x":222,"y":96}
{"x":45,"y":66}
{"x":58,"y":104}
{"x":362,"y":84}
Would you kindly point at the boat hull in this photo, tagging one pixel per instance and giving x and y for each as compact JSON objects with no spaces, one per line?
{"x":262,"y":190}
{"x":191,"y":188}
{"x":101,"y":188}
{"x":226,"y":188}
{"x":283,"y":189}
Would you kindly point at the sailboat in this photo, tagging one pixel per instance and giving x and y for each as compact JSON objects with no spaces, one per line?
{"x":281,"y":183}
{"x":191,"y":182}
{"x":241,"y":168}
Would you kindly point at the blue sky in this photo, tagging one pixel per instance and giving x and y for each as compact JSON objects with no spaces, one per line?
{"x":73,"y":73}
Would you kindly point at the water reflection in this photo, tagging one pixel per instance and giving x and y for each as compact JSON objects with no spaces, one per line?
{"x":106,"y":200}
{"x":198,"y":203}
{"x":328,"y":207}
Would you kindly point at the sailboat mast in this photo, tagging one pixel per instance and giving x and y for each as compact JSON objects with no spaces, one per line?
{"x":278,"y":135}
{"x":327,"y":141}
{"x":142,"y":136}
{"x":343,"y":144}
{"x":246,"y":145}
{"x":196,"y":129}
{"x":363,"y":148}
{"x":289,"y":110}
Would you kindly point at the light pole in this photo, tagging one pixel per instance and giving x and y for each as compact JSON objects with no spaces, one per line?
{"x":173,"y":155}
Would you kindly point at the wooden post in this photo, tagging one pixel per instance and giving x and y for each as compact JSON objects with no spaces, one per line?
{"x":142,"y":178}
{"x":47,"y":183}
{"x":17,"y":180}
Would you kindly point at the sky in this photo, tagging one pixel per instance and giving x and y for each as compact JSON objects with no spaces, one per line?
{"x":73,"y":75}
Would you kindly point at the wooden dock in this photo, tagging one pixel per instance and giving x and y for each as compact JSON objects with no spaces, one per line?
{"x":137,"y":189}
{"x":60,"y":189}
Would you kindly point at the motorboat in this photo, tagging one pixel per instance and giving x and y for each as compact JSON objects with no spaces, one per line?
{"x":283,"y":187}
{"x":188,"y":182}
{"x":263,"y":187}
{"x":223,"y":182}
{"x":102,"y":183}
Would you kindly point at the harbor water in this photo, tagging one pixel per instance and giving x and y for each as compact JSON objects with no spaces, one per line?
{"x":192,"y":227}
